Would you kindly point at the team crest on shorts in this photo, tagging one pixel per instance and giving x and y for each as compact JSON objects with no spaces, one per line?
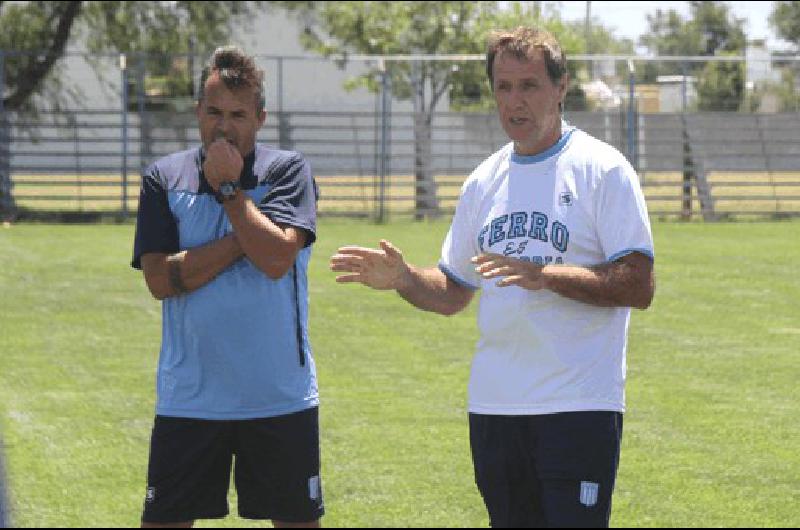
{"x":315,"y":489}
{"x":589,"y":493}
{"x":150,"y":496}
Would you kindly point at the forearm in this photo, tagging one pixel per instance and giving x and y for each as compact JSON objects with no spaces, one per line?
{"x":431,"y":290}
{"x":188,"y":270}
{"x":266,"y":244}
{"x":606,"y":285}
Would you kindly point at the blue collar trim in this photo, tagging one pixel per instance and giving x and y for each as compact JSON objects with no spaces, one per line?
{"x":544,"y":155}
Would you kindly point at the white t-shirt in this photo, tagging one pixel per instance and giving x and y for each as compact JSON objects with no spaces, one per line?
{"x":578,"y":203}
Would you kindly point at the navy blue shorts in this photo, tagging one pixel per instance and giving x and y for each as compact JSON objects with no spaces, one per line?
{"x":276,"y":471}
{"x":551,"y":470}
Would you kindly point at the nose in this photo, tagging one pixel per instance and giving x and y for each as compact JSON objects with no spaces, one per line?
{"x":222,"y":128}
{"x":517,"y":98}
{"x":223,"y":124}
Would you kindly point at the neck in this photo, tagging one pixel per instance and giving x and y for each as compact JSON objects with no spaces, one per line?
{"x":549,"y":140}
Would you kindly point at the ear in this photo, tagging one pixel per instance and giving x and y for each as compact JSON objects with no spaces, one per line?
{"x":562,"y":89}
{"x":262,"y":117}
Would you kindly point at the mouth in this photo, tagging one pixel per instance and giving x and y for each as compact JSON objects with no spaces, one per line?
{"x":518,"y":121}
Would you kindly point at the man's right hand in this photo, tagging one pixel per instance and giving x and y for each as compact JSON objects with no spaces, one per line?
{"x":382,"y":269}
{"x":223,"y":163}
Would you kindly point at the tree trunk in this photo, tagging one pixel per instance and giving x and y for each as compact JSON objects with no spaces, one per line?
{"x":426,"y":201}
{"x":425,"y":204}
{"x":30,"y":78}
{"x":26,"y":82}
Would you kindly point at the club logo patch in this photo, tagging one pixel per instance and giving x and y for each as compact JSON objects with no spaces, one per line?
{"x":150,"y":496}
{"x":589,"y":491}
{"x":315,"y":489}
{"x":566,"y":199}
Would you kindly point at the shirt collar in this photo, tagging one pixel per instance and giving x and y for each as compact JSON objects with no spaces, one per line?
{"x":566,"y":132}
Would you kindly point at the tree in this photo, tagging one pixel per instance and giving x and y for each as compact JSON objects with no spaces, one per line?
{"x":721,"y":86}
{"x":711,"y":30}
{"x":337,"y":29}
{"x":470,"y":90}
{"x":38,"y":33}
{"x":785,"y":18}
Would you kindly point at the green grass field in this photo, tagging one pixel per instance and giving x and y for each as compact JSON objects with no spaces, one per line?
{"x":711,"y":432}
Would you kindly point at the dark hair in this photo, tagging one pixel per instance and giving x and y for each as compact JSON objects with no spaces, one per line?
{"x":237,"y":70}
{"x":521,"y":44}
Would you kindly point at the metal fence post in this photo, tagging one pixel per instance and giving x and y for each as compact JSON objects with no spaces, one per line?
{"x":386,"y":103}
{"x":631,"y":117}
{"x":684,"y":88}
{"x":279,"y":77}
{"x":145,"y":136}
{"x":7,"y":205}
{"x":123,"y":65}
{"x":284,"y":127}
{"x":688,"y":162}
{"x":2,"y":81}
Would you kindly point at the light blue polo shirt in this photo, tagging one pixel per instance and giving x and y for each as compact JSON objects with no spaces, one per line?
{"x":237,"y":348}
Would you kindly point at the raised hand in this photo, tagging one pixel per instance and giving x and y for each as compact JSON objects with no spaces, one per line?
{"x":513,"y":271}
{"x":381,"y":269}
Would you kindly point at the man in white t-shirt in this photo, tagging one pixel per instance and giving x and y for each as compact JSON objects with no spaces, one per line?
{"x":554,"y":231}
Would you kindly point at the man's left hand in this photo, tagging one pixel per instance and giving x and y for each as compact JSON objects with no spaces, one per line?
{"x":513,"y":271}
{"x":223,"y":164}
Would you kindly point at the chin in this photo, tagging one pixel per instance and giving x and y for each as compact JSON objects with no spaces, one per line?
{"x":529,"y":139}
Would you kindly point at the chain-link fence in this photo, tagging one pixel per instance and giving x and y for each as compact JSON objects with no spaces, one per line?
{"x":711,"y":137}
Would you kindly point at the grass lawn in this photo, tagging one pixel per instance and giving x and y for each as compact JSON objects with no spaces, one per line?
{"x":711,"y":433}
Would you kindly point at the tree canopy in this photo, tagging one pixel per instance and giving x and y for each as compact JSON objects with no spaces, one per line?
{"x":785,"y":18}
{"x":711,"y":30}
{"x":39,"y":32}
{"x":338,"y":29}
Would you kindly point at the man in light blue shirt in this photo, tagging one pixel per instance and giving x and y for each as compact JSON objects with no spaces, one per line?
{"x":223,"y":236}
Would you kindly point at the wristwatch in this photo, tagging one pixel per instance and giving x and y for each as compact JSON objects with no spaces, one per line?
{"x":227,"y":191}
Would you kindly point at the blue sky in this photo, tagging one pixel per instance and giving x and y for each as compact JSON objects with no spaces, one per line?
{"x":628,"y":18}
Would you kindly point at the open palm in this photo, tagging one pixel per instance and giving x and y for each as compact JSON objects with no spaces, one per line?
{"x":381,"y":269}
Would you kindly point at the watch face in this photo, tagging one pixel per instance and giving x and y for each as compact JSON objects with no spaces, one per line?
{"x":228,"y":190}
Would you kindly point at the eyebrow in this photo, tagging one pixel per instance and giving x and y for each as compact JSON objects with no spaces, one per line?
{"x":212,"y":108}
{"x":524,"y":79}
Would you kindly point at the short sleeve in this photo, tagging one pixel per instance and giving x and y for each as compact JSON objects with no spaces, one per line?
{"x":460,"y":245}
{"x":156,"y":229}
{"x":623,"y":224}
{"x":292,"y":197}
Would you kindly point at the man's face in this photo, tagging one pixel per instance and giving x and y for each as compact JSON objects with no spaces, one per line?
{"x":528,"y":101}
{"x":229,"y":114}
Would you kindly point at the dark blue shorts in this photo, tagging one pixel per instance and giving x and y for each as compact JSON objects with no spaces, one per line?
{"x":551,"y":470}
{"x":276,"y":470}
